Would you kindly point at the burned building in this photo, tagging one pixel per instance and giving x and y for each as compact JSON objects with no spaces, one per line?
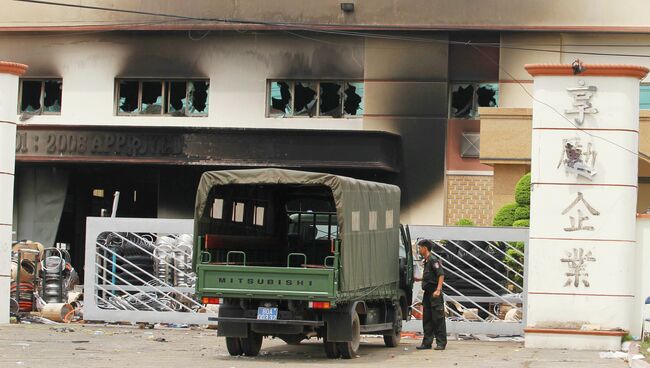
{"x":142,"y":106}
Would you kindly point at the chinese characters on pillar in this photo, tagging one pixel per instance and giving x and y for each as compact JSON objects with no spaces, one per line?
{"x":577,"y":217}
{"x":577,"y":264}
{"x":577,"y":159}
{"x":581,"y":101}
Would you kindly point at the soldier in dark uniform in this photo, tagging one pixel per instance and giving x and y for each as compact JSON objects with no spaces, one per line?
{"x":433,"y":320}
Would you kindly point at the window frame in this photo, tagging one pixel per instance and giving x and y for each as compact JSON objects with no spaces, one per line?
{"x":164,"y":111}
{"x":292,"y":88}
{"x":42,"y":80}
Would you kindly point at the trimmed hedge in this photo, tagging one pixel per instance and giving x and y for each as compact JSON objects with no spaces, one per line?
{"x":506,"y":215}
{"x":465,"y":222}
{"x":522,"y":213}
{"x":522,"y":190}
{"x":521,"y":223}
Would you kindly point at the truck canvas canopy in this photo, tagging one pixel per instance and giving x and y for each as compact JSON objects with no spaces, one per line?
{"x":367,"y":217}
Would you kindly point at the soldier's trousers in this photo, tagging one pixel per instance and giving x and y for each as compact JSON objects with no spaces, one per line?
{"x":433,"y":321}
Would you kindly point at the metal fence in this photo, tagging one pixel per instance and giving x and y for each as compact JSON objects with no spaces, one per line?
{"x":140,"y":270}
{"x":485,"y":284}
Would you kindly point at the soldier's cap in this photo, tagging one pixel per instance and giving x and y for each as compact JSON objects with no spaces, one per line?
{"x":426,"y":243}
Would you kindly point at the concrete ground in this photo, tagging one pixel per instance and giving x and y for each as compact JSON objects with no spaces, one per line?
{"x":92,"y":346}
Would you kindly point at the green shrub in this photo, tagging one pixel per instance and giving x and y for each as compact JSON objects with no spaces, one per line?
{"x":465,"y":222}
{"x":521,"y":223}
{"x":514,"y":259}
{"x":522,"y":190}
{"x":505,"y":216}
{"x":522,"y":213}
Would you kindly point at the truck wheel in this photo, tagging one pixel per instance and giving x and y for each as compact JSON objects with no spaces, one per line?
{"x":252,"y":344}
{"x":233,"y":344}
{"x":393,"y":339}
{"x":349,"y":349}
{"x":331,"y":350}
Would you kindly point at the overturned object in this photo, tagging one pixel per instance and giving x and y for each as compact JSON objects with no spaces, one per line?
{"x":56,"y":311}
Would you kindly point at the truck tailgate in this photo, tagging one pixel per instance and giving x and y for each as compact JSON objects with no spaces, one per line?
{"x":263,"y":282}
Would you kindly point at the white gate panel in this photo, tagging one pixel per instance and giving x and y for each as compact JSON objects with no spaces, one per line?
{"x":140,"y":270}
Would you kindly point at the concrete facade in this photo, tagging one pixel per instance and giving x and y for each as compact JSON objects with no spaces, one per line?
{"x":402,"y":94}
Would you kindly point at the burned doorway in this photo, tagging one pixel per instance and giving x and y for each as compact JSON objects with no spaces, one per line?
{"x":90,"y":194}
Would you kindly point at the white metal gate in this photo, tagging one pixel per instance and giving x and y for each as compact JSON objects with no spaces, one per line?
{"x":485,"y":269}
{"x":140,"y":270}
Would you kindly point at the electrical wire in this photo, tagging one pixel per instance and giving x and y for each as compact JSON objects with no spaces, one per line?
{"x":489,"y":58}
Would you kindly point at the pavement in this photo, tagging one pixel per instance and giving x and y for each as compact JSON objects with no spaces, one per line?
{"x":37,"y":345}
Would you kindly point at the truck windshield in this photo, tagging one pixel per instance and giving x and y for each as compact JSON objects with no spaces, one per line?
{"x":266,"y":223}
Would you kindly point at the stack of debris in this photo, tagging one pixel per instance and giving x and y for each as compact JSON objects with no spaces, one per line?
{"x":43,"y":283}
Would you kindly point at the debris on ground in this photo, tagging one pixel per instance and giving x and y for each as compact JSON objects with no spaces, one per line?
{"x":62,"y":329}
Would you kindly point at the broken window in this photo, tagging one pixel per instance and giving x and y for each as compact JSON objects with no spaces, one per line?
{"x":151,"y":98}
{"x":466,"y":98}
{"x":174,"y":98}
{"x":129,"y":96}
{"x":330,"y":99}
{"x":280,"y":99}
{"x":333,"y":99}
{"x":198,"y":97}
{"x":40,"y":96}
{"x":305,"y":98}
{"x":353,"y":104}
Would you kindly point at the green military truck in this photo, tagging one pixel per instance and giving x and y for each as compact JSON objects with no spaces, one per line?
{"x":296,"y":255}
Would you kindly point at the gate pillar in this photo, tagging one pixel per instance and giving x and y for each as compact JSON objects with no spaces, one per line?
{"x":9,"y":73}
{"x":581,"y":287}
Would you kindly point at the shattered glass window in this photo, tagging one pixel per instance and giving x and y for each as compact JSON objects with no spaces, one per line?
{"x":30,"y":98}
{"x":52,"y":96}
{"x":330,"y":99}
{"x":151,"y":98}
{"x":280,"y":99}
{"x":353,"y":99}
{"x":198,"y":97}
{"x":305,"y":99}
{"x":487,"y":95}
{"x":42,"y":96}
{"x":334,"y":99}
{"x":170,"y":97}
{"x":176,"y":98}
{"x":129,"y":94}
{"x":466,"y":98}
{"x":644,"y":97}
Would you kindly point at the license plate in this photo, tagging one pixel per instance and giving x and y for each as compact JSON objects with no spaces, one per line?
{"x":269,"y":314}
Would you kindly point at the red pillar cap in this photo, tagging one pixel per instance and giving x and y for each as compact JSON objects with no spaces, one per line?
{"x":590,"y":70}
{"x":12,"y":68}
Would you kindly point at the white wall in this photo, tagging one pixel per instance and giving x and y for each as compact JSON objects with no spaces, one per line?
{"x":238,"y":66}
{"x":561,"y":48}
